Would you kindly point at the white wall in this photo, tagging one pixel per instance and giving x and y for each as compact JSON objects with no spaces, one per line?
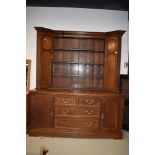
{"x":73,"y":19}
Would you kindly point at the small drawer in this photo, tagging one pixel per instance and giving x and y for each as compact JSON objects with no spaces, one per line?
{"x":80,"y":111}
{"x":63,"y":110}
{"x":65,"y":100}
{"x":76,"y":123}
{"x":89,"y":101}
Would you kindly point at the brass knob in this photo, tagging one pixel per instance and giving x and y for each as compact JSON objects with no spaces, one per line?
{"x":87,"y":100}
{"x":65,"y":111}
{"x":64,"y":123}
{"x":88,"y":124}
{"x":63,"y":100}
{"x":89,"y":112}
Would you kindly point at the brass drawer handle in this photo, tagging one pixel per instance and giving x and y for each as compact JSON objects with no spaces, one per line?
{"x":65,"y":111}
{"x":89,"y":101}
{"x":89,"y":112}
{"x":65,"y":101}
{"x":64,"y":123}
{"x":88,"y":124}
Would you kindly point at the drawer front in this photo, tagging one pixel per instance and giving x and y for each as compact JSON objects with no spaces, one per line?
{"x":65,"y":100}
{"x":76,"y":123}
{"x":88,"y":111}
{"x":92,"y":101}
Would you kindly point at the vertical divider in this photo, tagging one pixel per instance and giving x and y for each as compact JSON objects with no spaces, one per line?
{"x":71,"y":77}
{"x":62,"y":60}
{"x":68,"y":76}
{"x":94,"y":66}
{"x":93,"y":50}
{"x":78,"y":64}
{"x":100,"y":64}
{"x":103,"y":62}
{"x":52,"y":65}
{"x":85,"y":69}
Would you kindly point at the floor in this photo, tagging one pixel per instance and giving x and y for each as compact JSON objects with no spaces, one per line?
{"x":78,"y":146}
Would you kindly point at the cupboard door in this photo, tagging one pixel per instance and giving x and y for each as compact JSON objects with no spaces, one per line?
{"x":44,"y":58}
{"x":111,"y":64}
{"x":41,"y":111}
{"x":112,"y":61}
{"x":111,"y":114}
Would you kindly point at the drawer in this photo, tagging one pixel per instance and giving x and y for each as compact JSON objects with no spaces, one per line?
{"x":89,"y":101}
{"x":76,"y":123}
{"x":87,"y":111}
{"x":65,"y":100}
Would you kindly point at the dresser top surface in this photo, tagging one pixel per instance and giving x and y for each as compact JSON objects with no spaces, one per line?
{"x":76,"y":92}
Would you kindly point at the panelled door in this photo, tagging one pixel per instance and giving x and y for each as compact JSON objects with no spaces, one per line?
{"x":41,"y":107}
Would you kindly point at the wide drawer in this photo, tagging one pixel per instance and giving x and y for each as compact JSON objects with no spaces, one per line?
{"x":88,"y":111}
{"x":92,"y":101}
{"x":76,"y":123}
{"x":65,"y":100}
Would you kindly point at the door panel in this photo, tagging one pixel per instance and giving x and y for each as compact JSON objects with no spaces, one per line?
{"x":109,"y":114}
{"x":41,"y":111}
{"x":112,"y":63}
{"x":110,"y":72}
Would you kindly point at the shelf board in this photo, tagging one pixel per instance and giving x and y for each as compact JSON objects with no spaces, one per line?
{"x":71,"y":62}
{"x":78,"y":49}
{"x":98,"y":89}
{"x":77,"y":36}
{"x":62,"y":75}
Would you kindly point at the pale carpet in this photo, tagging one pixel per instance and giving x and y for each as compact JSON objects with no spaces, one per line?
{"x":78,"y":146}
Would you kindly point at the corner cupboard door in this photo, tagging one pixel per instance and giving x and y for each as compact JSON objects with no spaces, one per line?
{"x":41,"y":111}
{"x":44,"y":58}
{"x":111,"y":64}
{"x":112,"y":114}
{"x":112,"y":60}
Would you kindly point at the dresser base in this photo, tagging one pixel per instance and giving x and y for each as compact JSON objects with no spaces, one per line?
{"x":74,"y":133}
{"x":76,"y":114}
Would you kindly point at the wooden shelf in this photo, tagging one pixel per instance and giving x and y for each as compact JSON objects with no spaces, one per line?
{"x":77,"y":49}
{"x":77,"y":76}
{"x":78,"y":63}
